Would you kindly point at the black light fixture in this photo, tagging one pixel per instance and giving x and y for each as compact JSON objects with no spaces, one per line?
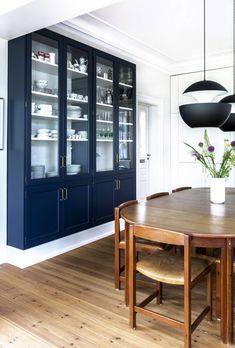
{"x":229,"y":125}
{"x":204,"y":113}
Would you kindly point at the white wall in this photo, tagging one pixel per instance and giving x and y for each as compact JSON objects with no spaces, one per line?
{"x":3,"y":153}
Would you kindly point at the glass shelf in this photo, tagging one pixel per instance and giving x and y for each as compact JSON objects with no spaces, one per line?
{"x":44,"y":95}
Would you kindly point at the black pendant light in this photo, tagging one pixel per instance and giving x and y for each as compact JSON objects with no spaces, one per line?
{"x":203,"y":113}
{"x":229,"y":125}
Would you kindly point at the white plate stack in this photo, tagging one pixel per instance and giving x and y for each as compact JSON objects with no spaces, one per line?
{"x":38,"y":171}
{"x":44,"y":109}
{"x":74,"y":111}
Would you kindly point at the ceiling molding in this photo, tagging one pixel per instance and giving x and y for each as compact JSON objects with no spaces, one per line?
{"x":98,"y":31}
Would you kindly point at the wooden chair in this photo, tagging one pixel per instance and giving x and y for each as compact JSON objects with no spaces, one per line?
{"x":121,"y":241}
{"x":178,"y":189}
{"x":218,"y":287}
{"x":157,"y":195}
{"x":170,"y":268}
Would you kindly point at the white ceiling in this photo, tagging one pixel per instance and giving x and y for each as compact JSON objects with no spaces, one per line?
{"x":19,"y":17}
{"x":173,"y":28}
{"x":164,"y":33}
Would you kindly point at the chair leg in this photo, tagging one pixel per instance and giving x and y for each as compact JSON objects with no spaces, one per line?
{"x":117,"y":265}
{"x":159,"y":296}
{"x":218,"y":290}
{"x":209,"y":295}
{"x":132,"y":286}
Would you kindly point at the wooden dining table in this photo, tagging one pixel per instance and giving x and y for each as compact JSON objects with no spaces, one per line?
{"x":209,"y":225}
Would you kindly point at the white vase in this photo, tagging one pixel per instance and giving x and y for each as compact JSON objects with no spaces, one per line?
{"x":217,"y":191}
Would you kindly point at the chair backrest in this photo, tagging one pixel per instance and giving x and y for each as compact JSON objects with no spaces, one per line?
{"x":117,"y":214}
{"x":178,"y":189}
{"x":156,"y":195}
{"x":159,"y":235}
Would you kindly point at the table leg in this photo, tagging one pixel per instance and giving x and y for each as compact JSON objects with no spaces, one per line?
{"x":227,"y":293}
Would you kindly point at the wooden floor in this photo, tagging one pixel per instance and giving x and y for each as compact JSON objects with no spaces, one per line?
{"x":70,"y":301}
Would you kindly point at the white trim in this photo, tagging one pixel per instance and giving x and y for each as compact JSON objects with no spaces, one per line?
{"x":26,"y":258}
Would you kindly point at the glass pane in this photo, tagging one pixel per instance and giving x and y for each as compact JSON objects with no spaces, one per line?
{"x":45,"y":108}
{"x":125,"y":118}
{"x":104,"y":115}
{"x":77,"y":111}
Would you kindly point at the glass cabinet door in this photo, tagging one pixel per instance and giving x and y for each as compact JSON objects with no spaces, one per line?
{"x":126,"y":117}
{"x":44,"y":108}
{"x":104,"y":114}
{"x":77,"y":147}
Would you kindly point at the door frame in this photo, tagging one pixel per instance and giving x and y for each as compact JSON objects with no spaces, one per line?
{"x":157,"y":179}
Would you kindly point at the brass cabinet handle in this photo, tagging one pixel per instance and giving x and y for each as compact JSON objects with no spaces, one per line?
{"x":117,"y":158}
{"x":115,"y":184}
{"x":65,"y":161}
{"x":66,"y":194}
{"x":61,"y":194}
{"x":61,"y":161}
{"x":119,"y":184}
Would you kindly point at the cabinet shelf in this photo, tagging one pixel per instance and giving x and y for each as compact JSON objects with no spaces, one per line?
{"x":104,"y":105}
{"x":45,"y":139}
{"x":125,"y":85}
{"x":45,"y":67}
{"x":77,"y":100}
{"x":124,"y":108}
{"x":102,"y":121}
{"x":45,"y":95}
{"x":77,"y":119}
{"x":105,"y":140}
{"x":126,"y":123}
{"x":76,"y":74}
{"x":125,"y":141}
{"x":38,"y":115}
{"x":77,"y":139}
{"x":106,"y":83}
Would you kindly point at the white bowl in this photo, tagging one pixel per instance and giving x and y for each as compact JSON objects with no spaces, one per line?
{"x":73,"y":168}
{"x":70,"y":132}
{"x":41,"y":83}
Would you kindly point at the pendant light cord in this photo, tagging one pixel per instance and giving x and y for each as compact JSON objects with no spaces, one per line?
{"x":233,"y":46}
{"x":204,"y":24}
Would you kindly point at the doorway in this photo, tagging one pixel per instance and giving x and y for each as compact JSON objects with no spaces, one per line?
{"x":148,"y":149}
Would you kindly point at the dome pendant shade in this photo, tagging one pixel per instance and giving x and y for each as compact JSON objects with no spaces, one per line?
{"x":205,"y":90}
{"x":229,"y":125}
{"x":205,"y":85}
{"x":205,"y":114}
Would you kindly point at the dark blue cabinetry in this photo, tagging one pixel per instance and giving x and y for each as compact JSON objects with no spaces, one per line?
{"x":71,"y":137}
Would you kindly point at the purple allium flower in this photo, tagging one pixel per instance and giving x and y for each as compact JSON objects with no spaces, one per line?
{"x":211,"y":148}
{"x":232,"y":143}
{"x":200,"y":144}
{"x":197,"y":155}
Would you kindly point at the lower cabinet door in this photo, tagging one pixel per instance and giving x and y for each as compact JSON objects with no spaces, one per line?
{"x":43,"y":215}
{"x":103,"y":201}
{"x":126,"y":189}
{"x":77,"y":207}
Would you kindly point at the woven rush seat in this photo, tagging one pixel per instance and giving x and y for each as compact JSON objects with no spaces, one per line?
{"x":168,"y":267}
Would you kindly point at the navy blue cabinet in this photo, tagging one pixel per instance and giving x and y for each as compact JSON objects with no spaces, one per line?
{"x":77,"y":206}
{"x":71,"y":137}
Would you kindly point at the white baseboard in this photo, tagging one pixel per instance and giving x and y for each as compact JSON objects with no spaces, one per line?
{"x":26,"y":258}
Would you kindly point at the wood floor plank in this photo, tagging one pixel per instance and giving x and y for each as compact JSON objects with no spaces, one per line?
{"x":70,"y":301}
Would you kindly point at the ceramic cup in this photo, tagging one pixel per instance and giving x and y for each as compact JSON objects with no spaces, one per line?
{"x":52,"y":57}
